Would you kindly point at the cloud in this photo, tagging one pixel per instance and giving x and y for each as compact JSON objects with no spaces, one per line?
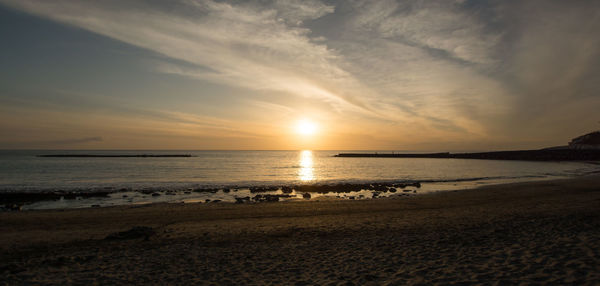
{"x":297,"y":11}
{"x":62,"y":104}
{"x":60,"y":143}
{"x":550,"y":61}
{"x":452,"y":71}
{"x":245,"y":45}
{"x":71,"y":141}
{"x":428,"y":63}
{"x":443,"y":28}
{"x":490,"y":71}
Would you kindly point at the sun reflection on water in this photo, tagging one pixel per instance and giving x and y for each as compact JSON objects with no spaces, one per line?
{"x":306,"y":166}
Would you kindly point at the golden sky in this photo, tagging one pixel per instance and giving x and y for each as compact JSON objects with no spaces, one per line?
{"x":367,"y":75}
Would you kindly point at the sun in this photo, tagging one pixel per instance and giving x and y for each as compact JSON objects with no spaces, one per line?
{"x":306,"y":127}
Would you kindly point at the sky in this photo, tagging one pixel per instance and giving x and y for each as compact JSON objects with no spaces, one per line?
{"x":365,"y":75}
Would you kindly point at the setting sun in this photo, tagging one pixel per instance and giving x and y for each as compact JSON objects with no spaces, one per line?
{"x":306,"y":127}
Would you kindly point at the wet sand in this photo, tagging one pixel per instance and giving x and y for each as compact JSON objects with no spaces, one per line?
{"x":537,"y":232}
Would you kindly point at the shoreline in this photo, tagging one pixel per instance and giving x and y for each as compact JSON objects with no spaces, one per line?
{"x":67,"y":199}
{"x":544,"y":232}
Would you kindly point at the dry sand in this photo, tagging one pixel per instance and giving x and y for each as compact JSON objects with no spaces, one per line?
{"x":527,"y":233}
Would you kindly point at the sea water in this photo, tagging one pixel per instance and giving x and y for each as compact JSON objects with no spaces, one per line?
{"x":23,"y":171}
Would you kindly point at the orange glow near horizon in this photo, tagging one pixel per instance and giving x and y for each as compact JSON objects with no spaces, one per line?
{"x":271,"y":75}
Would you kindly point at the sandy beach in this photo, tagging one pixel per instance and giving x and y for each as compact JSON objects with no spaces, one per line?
{"x":289,"y":142}
{"x":545,"y":232}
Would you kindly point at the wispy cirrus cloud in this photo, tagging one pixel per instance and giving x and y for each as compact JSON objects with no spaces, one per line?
{"x":71,"y":141}
{"x":429,"y":62}
{"x":491,"y":71}
{"x":249,"y":45}
{"x":468,"y":72}
{"x":59,"y":143}
{"x":442,"y":28}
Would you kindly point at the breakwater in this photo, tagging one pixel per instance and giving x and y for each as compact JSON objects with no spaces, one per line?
{"x":524,"y":155}
{"x":115,"y":156}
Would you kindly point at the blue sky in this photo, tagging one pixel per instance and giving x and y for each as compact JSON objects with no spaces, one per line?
{"x":399,"y":75}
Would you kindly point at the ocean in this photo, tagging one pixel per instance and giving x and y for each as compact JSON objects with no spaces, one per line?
{"x":23,"y":171}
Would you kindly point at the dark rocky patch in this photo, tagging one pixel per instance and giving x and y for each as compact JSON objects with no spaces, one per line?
{"x":269,"y":198}
{"x":242,"y":200}
{"x":134,"y":233}
{"x":263,"y":189}
{"x":19,"y":199}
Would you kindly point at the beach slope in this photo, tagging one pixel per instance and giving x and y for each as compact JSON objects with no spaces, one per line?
{"x":535,"y":232}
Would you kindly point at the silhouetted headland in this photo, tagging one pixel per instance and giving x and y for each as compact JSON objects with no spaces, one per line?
{"x":115,"y":156}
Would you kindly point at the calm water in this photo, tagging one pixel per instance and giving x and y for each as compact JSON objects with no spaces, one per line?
{"x":22,"y":170}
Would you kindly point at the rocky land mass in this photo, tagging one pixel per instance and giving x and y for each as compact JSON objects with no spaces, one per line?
{"x":14,"y":200}
{"x":534,"y":233}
